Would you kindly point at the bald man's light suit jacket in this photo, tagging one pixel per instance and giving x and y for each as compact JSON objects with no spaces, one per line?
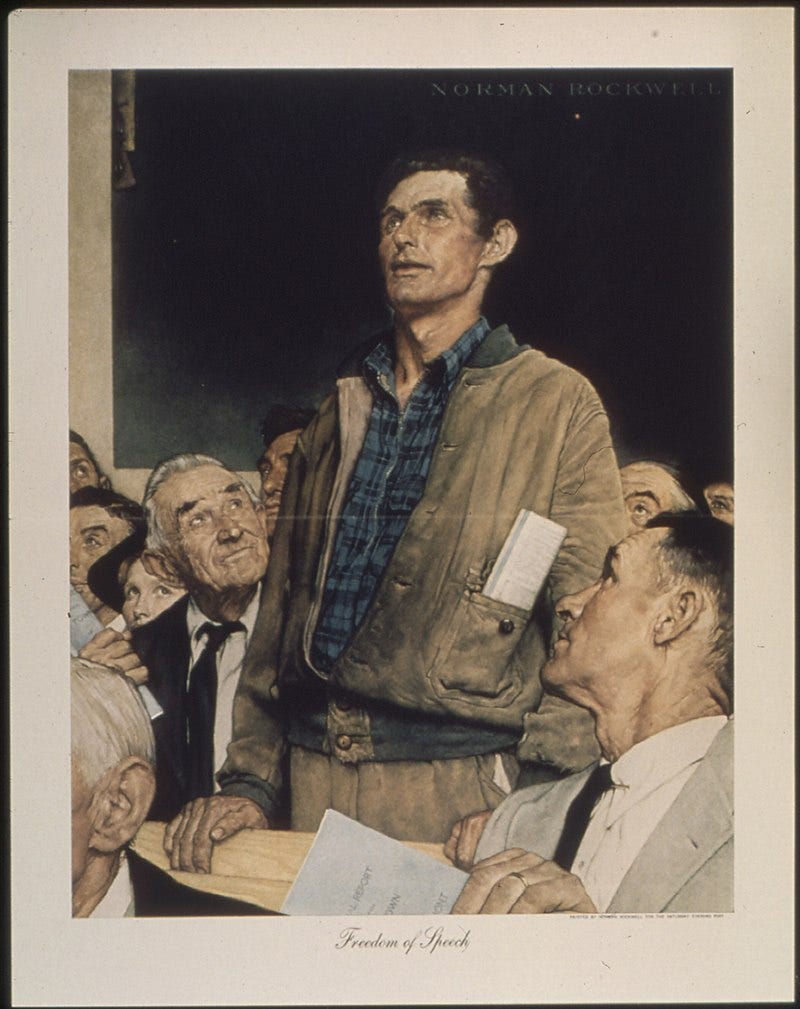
{"x":686,"y":865}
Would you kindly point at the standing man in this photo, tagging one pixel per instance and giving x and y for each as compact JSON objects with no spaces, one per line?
{"x":399,"y":687}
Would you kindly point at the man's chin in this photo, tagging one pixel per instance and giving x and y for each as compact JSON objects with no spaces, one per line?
{"x":553,"y":676}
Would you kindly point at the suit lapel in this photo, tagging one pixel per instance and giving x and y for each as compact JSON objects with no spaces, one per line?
{"x":163,"y":646}
{"x":537,"y":824}
{"x":695,"y":826}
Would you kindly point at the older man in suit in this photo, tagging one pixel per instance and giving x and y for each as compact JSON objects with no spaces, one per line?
{"x":648,"y":649}
{"x":207,"y":529}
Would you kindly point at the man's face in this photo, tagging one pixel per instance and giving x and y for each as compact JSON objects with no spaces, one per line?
{"x":92,"y":533}
{"x":648,"y":490}
{"x":719,"y":498}
{"x":82,"y":472}
{"x":273,"y":466}
{"x":146,"y":595}
{"x":608,"y":628}
{"x":429,"y":249}
{"x":215,"y":534}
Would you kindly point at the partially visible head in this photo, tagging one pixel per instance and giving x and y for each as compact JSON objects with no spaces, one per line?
{"x":719,"y":498}
{"x":113,"y":758}
{"x":206,"y":523}
{"x":84,"y":470}
{"x":658,"y":622}
{"x":444,"y":226}
{"x":146,"y":593}
{"x":280,"y":430}
{"x":650,"y":488}
{"x":99,"y":519}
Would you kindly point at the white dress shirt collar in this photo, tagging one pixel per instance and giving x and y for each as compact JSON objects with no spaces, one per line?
{"x":195,"y":619}
{"x":118,"y":899}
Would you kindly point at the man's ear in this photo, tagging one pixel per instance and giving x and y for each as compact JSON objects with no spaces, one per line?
{"x":161,"y":566}
{"x":501,"y":243}
{"x":122,"y":799}
{"x":680,"y":610}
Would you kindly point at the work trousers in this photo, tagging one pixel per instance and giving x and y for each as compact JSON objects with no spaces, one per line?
{"x":411,"y":800}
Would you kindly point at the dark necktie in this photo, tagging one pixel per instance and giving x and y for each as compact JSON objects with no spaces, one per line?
{"x":578,"y":815}
{"x":201,"y":708}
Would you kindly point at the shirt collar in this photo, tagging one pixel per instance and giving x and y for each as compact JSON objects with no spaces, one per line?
{"x":195,"y":618}
{"x":657,"y":759}
{"x":379,"y":363}
{"x":118,"y":898}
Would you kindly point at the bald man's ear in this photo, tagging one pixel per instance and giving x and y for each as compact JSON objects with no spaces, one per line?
{"x":500,"y":245}
{"x":680,"y":610}
{"x":122,"y":799}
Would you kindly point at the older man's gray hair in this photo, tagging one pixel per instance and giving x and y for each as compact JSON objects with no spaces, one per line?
{"x":109,"y":720}
{"x":182,"y":463}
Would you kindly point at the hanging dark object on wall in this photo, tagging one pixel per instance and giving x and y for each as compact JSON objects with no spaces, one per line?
{"x":123,"y":95}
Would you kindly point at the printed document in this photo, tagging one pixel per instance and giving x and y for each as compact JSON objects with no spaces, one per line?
{"x":351,"y":869}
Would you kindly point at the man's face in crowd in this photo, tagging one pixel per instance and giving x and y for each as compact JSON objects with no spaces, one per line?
{"x":648,"y":490}
{"x":92,"y":533}
{"x":146,"y":595}
{"x":216,"y":535}
{"x":273,"y":466}
{"x":429,"y":248}
{"x":608,"y":630}
{"x":719,"y":498}
{"x":82,"y":472}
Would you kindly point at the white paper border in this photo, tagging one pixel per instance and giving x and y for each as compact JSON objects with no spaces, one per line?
{"x":747,"y":956}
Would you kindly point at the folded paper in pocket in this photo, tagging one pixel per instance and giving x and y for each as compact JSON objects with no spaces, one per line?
{"x":525,"y":560}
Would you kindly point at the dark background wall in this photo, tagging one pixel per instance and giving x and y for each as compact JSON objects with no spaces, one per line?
{"x":245,"y":255}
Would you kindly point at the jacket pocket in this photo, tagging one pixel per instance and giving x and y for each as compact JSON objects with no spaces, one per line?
{"x":473,"y":662}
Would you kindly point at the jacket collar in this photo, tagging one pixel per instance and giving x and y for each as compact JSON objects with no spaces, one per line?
{"x":497,"y":347}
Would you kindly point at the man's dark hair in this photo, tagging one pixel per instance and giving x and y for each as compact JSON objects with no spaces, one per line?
{"x":280,"y":419}
{"x":489,"y":190}
{"x":700,"y":548}
{"x":78,"y":440}
{"x":115,"y":504}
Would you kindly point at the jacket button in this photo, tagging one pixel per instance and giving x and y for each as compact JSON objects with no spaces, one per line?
{"x":506,"y":626}
{"x":344,"y":742}
{"x":274,"y":692}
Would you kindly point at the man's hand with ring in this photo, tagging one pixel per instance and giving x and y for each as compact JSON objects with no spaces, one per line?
{"x":519,"y":882}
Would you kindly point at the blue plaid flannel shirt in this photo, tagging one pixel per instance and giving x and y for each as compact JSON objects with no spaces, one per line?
{"x":387,"y":484}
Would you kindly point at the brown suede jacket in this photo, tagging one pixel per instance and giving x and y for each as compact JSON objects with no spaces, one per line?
{"x":520,"y":430}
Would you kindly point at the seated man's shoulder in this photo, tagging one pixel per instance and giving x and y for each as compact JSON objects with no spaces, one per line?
{"x":532,"y":817}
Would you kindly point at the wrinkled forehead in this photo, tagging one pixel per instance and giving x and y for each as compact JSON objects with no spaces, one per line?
{"x":641,"y":478}
{"x":199,"y":484}
{"x":78,"y":454}
{"x":84,"y":516}
{"x":641,"y":550}
{"x":440,"y":185}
